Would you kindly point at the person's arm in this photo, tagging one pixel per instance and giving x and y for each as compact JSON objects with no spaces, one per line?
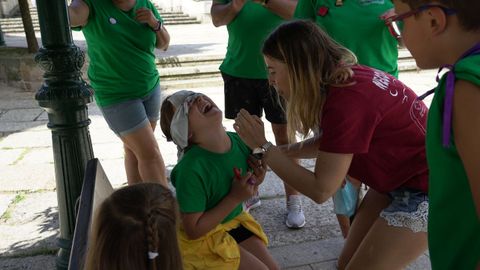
{"x":283,"y":8}
{"x":145,"y":15}
{"x":224,"y":13}
{"x":78,"y":13}
{"x":466,"y":129}
{"x":304,"y":149}
{"x":320,"y":185}
{"x":198,"y":224}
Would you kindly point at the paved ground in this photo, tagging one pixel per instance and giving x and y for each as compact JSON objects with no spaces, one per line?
{"x":28,"y":205}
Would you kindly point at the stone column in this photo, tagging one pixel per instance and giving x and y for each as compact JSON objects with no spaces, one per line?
{"x":64,"y":95}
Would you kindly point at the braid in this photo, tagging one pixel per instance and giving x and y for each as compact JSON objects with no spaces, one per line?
{"x":155,"y":218}
{"x":152,"y":237}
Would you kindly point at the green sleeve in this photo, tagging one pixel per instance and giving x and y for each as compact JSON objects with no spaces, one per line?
{"x":191,"y":194}
{"x":305,"y":10}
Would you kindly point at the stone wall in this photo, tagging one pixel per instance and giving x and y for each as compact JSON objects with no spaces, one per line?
{"x":18,"y":69}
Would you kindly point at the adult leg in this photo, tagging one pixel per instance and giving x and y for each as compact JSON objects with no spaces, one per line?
{"x":367,"y":214}
{"x":144,"y":146}
{"x":344,"y":221}
{"x":131,"y":162}
{"x":280,"y":133}
{"x":276,"y":115}
{"x":388,"y":247}
{"x":257,"y":248}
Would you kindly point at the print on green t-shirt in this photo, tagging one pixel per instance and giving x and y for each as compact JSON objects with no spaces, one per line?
{"x":122,"y":62}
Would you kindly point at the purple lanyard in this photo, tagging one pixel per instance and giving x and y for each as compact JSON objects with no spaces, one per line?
{"x":450,"y":86}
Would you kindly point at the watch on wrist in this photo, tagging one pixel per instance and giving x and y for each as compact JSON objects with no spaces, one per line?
{"x":158,"y":27}
{"x":259,"y":152}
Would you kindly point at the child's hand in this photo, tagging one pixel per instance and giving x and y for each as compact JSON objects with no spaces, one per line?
{"x":259,"y":169}
{"x":243,"y":187}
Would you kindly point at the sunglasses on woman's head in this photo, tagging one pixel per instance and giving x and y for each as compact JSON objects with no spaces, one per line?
{"x":395,"y":23}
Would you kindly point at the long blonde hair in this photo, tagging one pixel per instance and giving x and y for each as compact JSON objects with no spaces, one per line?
{"x":132,"y":222}
{"x":314,"y":61}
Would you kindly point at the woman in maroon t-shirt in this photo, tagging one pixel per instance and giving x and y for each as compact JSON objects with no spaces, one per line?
{"x":372,"y":128}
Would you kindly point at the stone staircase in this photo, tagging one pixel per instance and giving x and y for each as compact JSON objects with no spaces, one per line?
{"x":15,"y":24}
{"x":179,"y":72}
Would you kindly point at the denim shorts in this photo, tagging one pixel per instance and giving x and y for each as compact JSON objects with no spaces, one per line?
{"x":128,"y":116}
{"x":255,"y":96}
{"x":408,"y":209}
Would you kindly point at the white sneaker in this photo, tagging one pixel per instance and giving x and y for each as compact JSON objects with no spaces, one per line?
{"x":295,"y":217}
{"x":252,"y":202}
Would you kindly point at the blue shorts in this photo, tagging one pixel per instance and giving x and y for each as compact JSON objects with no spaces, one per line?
{"x":128,"y":116}
{"x":408,"y":209}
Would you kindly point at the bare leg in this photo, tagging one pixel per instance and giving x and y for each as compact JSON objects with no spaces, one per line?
{"x":373,"y":244}
{"x":250,"y":262}
{"x":257,"y":248}
{"x":131,"y":166}
{"x":367,"y":213}
{"x":144,"y":146}
{"x":281,"y":137}
{"x":388,"y":247}
{"x":344,"y":223}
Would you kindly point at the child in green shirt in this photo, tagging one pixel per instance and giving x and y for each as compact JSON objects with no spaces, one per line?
{"x":446,"y":34}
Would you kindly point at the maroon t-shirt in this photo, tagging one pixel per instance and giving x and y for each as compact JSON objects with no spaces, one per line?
{"x":382,"y":123}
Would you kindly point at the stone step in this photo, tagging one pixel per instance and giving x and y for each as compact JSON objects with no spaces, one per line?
{"x":213,"y":81}
{"x":202,"y":70}
{"x":189,"y":60}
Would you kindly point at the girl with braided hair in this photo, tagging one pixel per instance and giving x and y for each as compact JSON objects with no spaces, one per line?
{"x":135,"y":228}
{"x":215,"y":232}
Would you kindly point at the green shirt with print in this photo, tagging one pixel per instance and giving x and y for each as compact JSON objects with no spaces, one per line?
{"x":357,"y":26}
{"x":121,"y":51}
{"x":203,"y":178}
{"x":246,"y":33}
{"x":453,"y":224}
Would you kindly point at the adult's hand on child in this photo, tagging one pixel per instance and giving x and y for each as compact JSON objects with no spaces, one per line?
{"x":145,"y":15}
{"x":250,"y":129}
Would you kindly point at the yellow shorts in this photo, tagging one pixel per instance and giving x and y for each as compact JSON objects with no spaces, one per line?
{"x":217,"y":249}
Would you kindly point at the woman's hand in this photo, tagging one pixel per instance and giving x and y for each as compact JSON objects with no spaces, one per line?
{"x":250,"y":129}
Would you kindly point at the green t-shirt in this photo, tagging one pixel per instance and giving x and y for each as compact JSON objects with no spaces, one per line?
{"x":122,"y":62}
{"x":246,"y":33}
{"x":357,"y":26}
{"x":453,"y":226}
{"x":203,"y":178}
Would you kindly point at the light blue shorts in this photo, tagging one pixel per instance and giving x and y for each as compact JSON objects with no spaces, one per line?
{"x":128,"y":116}
{"x":409,"y":209}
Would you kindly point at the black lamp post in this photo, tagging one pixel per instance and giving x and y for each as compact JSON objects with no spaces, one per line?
{"x":64,"y":95}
